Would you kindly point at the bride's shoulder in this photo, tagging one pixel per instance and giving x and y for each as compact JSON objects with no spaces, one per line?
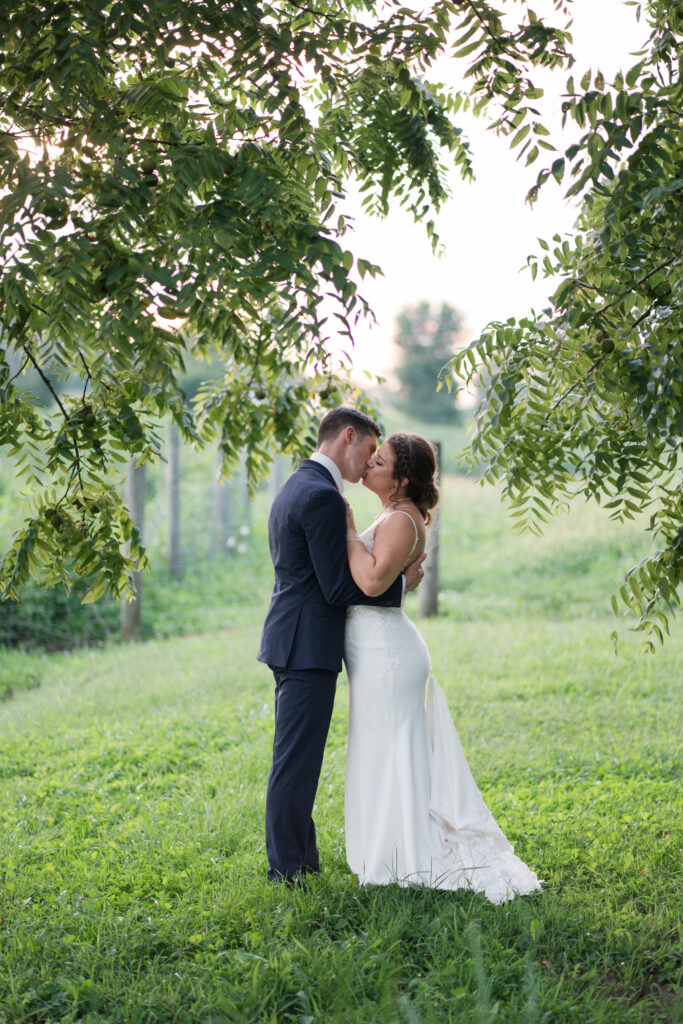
{"x":398,"y":515}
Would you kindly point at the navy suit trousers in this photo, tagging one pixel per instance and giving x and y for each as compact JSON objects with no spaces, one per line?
{"x":304,"y":699}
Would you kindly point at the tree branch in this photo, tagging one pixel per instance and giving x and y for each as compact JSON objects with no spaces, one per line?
{"x":88,"y":374}
{"x":597,"y":362}
{"x":48,"y":385}
{"x":46,"y":381}
{"x":18,"y":373}
{"x":575,"y":385}
{"x":643,"y":316}
{"x":641,"y":280}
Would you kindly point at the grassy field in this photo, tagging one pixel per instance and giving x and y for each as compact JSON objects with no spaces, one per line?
{"x":132,"y":793}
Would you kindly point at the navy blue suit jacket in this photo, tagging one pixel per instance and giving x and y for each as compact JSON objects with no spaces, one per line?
{"x":304,"y":627}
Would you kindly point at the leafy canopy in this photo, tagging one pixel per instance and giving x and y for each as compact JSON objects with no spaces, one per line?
{"x":587,"y":396}
{"x":167,"y":164}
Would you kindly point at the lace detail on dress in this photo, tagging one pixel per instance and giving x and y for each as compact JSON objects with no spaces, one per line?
{"x":368,"y":537}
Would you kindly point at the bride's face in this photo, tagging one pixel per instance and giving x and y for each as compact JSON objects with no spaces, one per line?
{"x":358,"y":456}
{"x":379,"y":477}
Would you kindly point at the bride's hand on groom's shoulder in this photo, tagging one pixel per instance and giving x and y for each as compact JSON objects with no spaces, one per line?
{"x":414,"y":573}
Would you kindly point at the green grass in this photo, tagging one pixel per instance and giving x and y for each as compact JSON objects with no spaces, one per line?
{"x":132,"y":785}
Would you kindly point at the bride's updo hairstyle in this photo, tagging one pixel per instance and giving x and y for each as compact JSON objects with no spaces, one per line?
{"x":415,"y":460}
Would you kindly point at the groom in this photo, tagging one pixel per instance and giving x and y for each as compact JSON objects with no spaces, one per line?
{"x":303,"y":635}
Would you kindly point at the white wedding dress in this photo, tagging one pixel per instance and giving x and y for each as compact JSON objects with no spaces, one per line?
{"x":414,"y":815}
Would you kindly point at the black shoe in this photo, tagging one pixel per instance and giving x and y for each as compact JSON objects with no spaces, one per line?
{"x":295,"y":881}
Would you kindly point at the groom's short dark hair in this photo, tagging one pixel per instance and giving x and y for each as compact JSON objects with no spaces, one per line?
{"x":339,"y":419}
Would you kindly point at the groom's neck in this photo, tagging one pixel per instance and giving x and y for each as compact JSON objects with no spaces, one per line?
{"x":329,"y":452}
{"x":329,"y":449}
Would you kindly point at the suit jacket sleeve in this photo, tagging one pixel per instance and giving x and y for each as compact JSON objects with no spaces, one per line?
{"x":324,"y":522}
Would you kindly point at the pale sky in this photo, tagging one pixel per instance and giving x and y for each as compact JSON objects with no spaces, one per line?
{"x":486,"y":228}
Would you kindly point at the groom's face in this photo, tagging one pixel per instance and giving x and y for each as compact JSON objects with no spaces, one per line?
{"x":359,"y":453}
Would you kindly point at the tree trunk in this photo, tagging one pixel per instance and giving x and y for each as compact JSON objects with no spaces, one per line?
{"x":173,"y":492}
{"x":131,"y":611}
{"x":221,"y":509}
{"x":428,"y":590}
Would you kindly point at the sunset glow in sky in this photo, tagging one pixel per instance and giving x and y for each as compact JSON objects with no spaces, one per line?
{"x":487,"y":229}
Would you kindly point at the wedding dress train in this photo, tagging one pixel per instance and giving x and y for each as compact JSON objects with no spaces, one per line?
{"x":414,"y":814}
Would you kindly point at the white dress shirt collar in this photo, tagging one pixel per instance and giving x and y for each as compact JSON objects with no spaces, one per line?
{"x":332,"y":467}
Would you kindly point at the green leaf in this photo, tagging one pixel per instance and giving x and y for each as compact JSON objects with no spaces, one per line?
{"x":557,"y":169}
{"x":521,"y":134}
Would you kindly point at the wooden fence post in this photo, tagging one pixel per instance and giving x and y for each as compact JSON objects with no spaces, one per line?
{"x":173,"y":491}
{"x":222,"y":508}
{"x":428,"y":591}
{"x":131,"y":611}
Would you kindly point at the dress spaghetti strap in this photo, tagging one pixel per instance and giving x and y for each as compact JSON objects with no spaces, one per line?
{"x":417,"y":535}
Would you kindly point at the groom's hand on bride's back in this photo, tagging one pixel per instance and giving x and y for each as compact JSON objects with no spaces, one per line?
{"x":414,"y":573}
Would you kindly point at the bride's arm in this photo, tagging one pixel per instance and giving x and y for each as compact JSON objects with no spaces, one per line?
{"x":394,"y":539}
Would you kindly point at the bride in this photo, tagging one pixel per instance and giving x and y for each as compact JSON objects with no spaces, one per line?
{"x":414,"y":814}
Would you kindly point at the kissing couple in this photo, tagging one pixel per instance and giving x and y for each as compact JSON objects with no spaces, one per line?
{"x":414,"y":814}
